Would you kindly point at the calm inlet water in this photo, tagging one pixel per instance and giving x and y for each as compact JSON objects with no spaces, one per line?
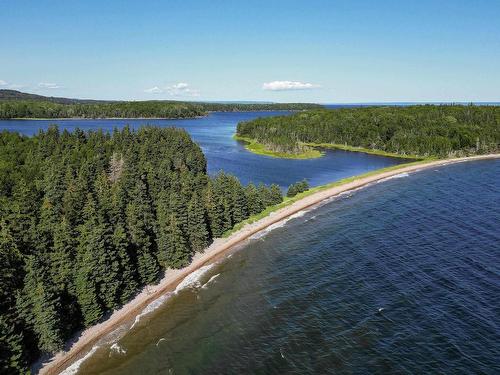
{"x":400,"y":277}
{"x":214,"y":134}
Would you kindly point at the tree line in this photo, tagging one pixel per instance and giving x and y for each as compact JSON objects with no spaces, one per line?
{"x":423,"y":130}
{"x":134,"y":109}
{"x":89,"y":218}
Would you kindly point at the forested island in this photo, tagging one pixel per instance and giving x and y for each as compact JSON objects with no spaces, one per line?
{"x":14,"y":104}
{"x":419,"y":131}
{"x":89,"y":218}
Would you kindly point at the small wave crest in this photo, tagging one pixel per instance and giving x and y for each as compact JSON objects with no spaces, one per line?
{"x":193,"y":279}
{"x":210,"y":281}
{"x":400,"y":175}
{"x":279,"y":224}
{"x":151,"y":307}
{"x":116,"y":348}
{"x":73,"y":369}
{"x":190,"y":281}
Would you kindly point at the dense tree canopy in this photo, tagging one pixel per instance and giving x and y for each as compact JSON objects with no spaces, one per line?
{"x":87,"y":219}
{"x":426,"y":130}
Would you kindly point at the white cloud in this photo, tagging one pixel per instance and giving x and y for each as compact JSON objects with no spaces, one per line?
{"x":154,"y":90}
{"x":181,"y":89}
{"x":177,"y":89}
{"x":11,"y":86}
{"x":48,"y":85}
{"x":288,"y":85}
{"x":180,"y":86}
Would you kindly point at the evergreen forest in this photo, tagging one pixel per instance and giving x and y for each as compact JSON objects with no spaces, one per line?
{"x":89,"y":218}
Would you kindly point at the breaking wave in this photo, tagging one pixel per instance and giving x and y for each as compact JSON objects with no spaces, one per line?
{"x":400,"y":175}
{"x":279,"y":224}
{"x":190,"y":281}
{"x":116,"y":348}
{"x":210,"y":280}
{"x":151,"y":307}
{"x":193,"y":279}
{"x":73,"y":369}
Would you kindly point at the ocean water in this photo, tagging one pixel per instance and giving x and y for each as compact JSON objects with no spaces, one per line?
{"x":402,"y":276}
{"x":214,"y":135}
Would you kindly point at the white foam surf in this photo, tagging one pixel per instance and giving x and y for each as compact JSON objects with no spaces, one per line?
{"x":190,"y":281}
{"x":210,"y":281}
{"x":73,"y":369}
{"x":193,"y":279}
{"x":116,"y":348}
{"x":150,"y":308}
{"x":400,"y":175}
{"x":279,"y":224}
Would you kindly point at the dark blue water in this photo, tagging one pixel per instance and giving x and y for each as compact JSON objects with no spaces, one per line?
{"x":214,"y":134}
{"x":400,"y":277}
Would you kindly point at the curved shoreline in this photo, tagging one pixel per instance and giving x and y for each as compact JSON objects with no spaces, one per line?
{"x":258,"y":148}
{"x":222,"y":245}
{"x":317,"y":150}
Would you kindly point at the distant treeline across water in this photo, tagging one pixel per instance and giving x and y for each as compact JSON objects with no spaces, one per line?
{"x":15,"y":104}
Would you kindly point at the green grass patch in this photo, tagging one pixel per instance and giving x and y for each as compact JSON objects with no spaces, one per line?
{"x":258,"y":148}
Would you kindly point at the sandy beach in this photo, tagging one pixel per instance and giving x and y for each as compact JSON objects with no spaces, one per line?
{"x":219,"y":247}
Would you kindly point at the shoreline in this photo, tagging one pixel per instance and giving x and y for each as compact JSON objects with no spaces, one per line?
{"x":258,"y":148}
{"x":221,"y":246}
{"x":317,"y":150}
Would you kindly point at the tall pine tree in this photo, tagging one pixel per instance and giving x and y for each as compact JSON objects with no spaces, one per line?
{"x":141,"y":226}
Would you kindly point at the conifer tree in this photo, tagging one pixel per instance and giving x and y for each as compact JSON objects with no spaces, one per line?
{"x":86,"y":290}
{"x":62,"y":256}
{"x":163,"y":228}
{"x":74,"y":198}
{"x":198,"y":231}
{"x":41,"y":305}
{"x":179,"y":254}
{"x":43,"y":233}
{"x":11,"y":273}
{"x":265,"y":196}
{"x":215,"y":212}
{"x":227,"y":217}
{"x":128,"y":287}
{"x":119,"y":203}
{"x":89,"y":272}
{"x":178,"y":207}
{"x":254,"y":200}
{"x":141,"y":226}
{"x":239,"y":201}
{"x":22,"y":218}
{"x":276,"y":197}
{"x":12,"y":357}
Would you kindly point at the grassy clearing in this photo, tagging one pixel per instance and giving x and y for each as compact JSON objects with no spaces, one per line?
{"x":258,"y":148}
{"x":288,"y":201}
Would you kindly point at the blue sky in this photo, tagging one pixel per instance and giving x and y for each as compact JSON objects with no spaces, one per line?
{"x":315,"y":51}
